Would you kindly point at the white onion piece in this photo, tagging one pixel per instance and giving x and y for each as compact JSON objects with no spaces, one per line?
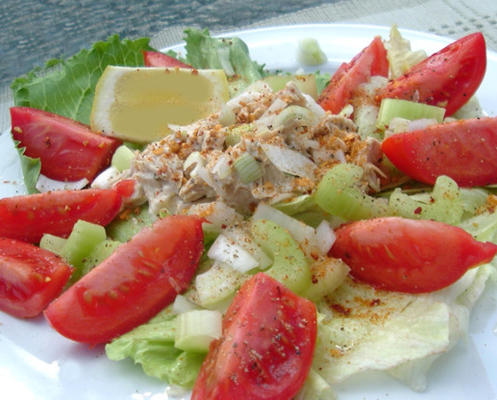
{"x":313,"y":106}
{"x":182,"y":304}
{"x":246,"y":241}
{"x":289,"y":161}
{"x":194,"y":159}
{"x":419,"y":124}
{"x":304,"y":234}
{"x":45,"y":184}
{"x":325,"y":237}
{"x":106,"y":178}
{"x":340,"y":156}
{"x":222,"y":168}
{"x":226,"y":251}
{"x":217,"y":213}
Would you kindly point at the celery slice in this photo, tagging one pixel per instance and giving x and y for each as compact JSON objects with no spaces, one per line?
{"x":290,"y":266}
{"x":217,"y":284}
{"x":130,"y":223}
{"x":444,"y":204}
{"x":309,"y":52}
{"x":122,"y":158}
{"x":295,"y":114}
{"x":82,"y":240}
{"x":327,"y":275}
{"x":99,"y":253}
{"x":248,"y":168}
{"x":52,"y":243}
{"x":234,"y":134}
{"x":196,"y":329}
{"x":397,"y":108}
{"x":296,"y":205}
{"x":338,"y":194}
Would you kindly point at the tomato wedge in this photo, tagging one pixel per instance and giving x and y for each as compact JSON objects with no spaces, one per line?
{"x":138,"y":280}
{"x":68,"y":150}
{"x":266,"y":350}
{"x":157,"y":59}
{"x":405,"y":255}
{"x":28,"y":217}
{"x":447,"y":78}
{"x":465,"y":150}
{"x":371,"y":61}
{"x":30,"y":278}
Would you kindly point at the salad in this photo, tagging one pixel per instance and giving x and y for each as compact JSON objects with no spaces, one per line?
{"x":353,"y":317}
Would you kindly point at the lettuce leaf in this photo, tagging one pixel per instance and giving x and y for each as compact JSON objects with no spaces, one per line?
{"x":67,"y":87}
{"x":322,"y":80}
{"x":152,"y":346}
{"x":368,"y":329}
{"x":31,"y":168}
{"x":229,"y":54}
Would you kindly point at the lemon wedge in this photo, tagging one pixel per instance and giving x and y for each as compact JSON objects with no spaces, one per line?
{"x":138,"y":104}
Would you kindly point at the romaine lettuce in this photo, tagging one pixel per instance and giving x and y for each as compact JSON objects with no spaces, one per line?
{"x":66,"y":87}
{"x":152,"y":346}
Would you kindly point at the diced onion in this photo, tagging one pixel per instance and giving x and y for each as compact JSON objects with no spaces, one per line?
{"x":45,"y":184}
{"x":245,"y":240}
{"x":289,"y":161}
{"x":106,"y":178}
{"x":419,"y":124}
{"x":229,"y":252}
{"x":325,"y":237}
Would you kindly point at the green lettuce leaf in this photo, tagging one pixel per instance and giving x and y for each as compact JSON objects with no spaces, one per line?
{"x":67,"y":87}
{"x":322,"y":80}
{"x":229,"y":54}
{"x":31,"y":168}
{"x":152,"y":346}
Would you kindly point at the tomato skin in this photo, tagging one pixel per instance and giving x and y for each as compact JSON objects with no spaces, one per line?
{"x":28,"y":217}
{"x":447,"y":78}
{"x":137,"y":281}
{"x":266,"y":350}
{"x":465,"y":150}
{"x":413,"y":256}
{"x":158,"y":59}
{"x":30,"y":278}
{"x":68,"y":150}
{"x":125,"y":188}
{"x":371,"y":61}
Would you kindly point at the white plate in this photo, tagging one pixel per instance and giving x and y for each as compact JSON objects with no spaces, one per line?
{"x":37,"y":363}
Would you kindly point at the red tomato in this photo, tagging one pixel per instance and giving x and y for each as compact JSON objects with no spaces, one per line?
{"x":267,"y":345}
{"x":446,"y":79}
{"x":68,"y":150}
{"x":157,"y":59}
{"x":405,"y":255}
{"x":137,"y":281}
{"x":125,"y":188}
{"x":28,"y":217}
{"x":369,"y":62}
{"x":30,"y":278}
{"x":465,"y":150}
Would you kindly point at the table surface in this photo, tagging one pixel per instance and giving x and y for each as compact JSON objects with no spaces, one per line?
{"x":36,"y":31}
